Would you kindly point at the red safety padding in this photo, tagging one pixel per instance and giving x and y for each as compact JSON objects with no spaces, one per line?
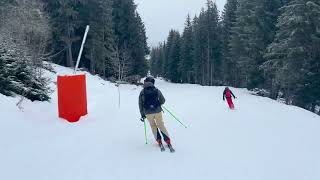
{"x":72,"y":97}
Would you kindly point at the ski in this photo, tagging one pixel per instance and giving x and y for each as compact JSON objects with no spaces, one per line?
{"x":171,"y":148}
{"x":162,"y":147}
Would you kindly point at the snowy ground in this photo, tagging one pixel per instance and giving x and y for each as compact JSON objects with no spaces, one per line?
{"x":261,"y":140}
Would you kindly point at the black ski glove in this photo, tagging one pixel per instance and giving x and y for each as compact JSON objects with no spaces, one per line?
{"x":142,"y":118}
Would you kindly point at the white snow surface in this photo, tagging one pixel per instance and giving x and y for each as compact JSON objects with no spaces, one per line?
{"x":261,"y":140}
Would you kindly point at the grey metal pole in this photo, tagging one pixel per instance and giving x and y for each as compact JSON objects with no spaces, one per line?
{"x":81,"y":49}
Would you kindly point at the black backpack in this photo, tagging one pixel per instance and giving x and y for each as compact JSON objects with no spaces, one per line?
{"x":151,"y":98}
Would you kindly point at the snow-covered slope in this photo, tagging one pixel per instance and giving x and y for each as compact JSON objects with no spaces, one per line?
{"x":261,"y":140}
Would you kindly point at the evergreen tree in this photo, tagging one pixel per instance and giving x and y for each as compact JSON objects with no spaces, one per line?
{"x":207,"y":49}
{"x":308,"y":93}
{"x":228,"y":23}
{"x":292,"y":54}
{"x":245,"y":41}
{"x":187,"y":53}
{"x":154,"y":58}
{"x":18,"y":77}
{"x":168,"y":49}
{"x":140,"y":47}
{"x":169,"y":53}
{"x":4,"y":76}
{"x":174,"y":57}
{"x":200,"y":46}
{"x":109,"y":38}
{"x":213,"y":44}
{"x":253,"y":31}
{"x":65,"y":21}
{"x":197,"y":46}
{"x":130,"y":36}
{"x":100,"y":47}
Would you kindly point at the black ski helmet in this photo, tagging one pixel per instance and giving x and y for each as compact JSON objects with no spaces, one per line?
{"x":150,"y":79}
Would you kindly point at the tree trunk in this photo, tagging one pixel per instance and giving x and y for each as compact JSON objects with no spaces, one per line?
{"x":208,"y":61}
{"x":196,"y":77}
{"x":104,"y":68}
{"x":313,"y":107}
{"x":104,"y":58}
{"x":92,"y":63}
{"x":119,"y":71}
{"x":69,"y":45}
{"x":203,"y":76}
{"x":211,"y":78}
{"x":70,"y":60}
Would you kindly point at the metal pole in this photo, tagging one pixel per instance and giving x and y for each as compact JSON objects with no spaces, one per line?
{"x":81,"y":49}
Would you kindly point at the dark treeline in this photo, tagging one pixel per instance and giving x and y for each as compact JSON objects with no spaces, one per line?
{"x":195,"y":56}
{"x":35,"y":31}
{"x":258,"y":44}
{"x":117,"y":42}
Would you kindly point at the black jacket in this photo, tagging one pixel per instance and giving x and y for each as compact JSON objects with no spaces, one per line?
{"x":144,"y":111}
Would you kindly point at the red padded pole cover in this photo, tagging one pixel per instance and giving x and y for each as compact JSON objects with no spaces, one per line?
{"x":72,"y":97}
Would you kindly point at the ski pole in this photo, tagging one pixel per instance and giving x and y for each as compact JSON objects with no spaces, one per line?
{"x":174,"y":116}
{"x":145,"y":131}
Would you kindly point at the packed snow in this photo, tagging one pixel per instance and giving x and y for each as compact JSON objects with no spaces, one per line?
{"x":261,"y":140}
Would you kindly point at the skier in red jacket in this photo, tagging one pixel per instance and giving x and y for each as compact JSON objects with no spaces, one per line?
{"x":227,"y":93}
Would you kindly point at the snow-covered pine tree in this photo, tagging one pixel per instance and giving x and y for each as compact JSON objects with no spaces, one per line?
{"x":4,"y":74}
{"x":308,"y":91}
{"x":23,"y":40}
{"x":253,"y":31}
{"x":17,"y":77}
{"x":291,"y":53}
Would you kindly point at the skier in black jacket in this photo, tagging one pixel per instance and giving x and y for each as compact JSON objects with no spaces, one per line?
{"x":150,"y":101}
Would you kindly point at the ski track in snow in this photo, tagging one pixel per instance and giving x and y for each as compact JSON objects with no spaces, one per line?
{"x":261,"y":140}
